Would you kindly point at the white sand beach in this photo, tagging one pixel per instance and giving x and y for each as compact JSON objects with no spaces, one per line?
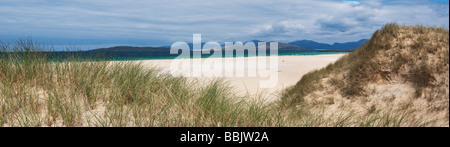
{"x":290,"y":71}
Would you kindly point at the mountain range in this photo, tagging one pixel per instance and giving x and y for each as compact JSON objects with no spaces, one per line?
{"x":323,"y":46}
{"x":302,"y":45}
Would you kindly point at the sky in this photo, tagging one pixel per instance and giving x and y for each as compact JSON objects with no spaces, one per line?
{"x":162,"y":22}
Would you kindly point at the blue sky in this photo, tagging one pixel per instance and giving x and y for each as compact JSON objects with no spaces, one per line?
{"x":157,"y":22}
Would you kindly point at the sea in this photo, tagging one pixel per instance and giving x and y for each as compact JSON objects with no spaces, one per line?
{"x":153,"y":55}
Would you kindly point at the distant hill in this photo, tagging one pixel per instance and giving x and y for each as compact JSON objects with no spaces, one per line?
{"x":303,"y":45}
{"x":281,"y":47}
{"x":323,"y":46}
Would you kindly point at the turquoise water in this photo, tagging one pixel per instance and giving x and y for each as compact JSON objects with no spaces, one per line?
{"x":310,"y":53}
{"x":127,"y":56}
{"x":149,"y":55}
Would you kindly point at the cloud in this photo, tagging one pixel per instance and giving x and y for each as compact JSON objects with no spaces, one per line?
{"x":341,"y":21}
{"x":223,"y":20}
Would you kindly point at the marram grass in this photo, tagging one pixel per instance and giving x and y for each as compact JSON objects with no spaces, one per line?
{"x":36,"y":91}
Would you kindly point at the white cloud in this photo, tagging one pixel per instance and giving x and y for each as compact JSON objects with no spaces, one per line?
{"x":225,"y":20}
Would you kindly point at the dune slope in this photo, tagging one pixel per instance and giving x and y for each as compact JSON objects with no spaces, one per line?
{"x":404,"y":69}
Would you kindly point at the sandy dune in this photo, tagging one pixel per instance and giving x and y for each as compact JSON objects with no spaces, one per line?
{"x":290,"y":70}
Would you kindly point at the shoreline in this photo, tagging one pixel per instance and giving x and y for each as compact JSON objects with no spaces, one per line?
{"x":322,"y":53}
